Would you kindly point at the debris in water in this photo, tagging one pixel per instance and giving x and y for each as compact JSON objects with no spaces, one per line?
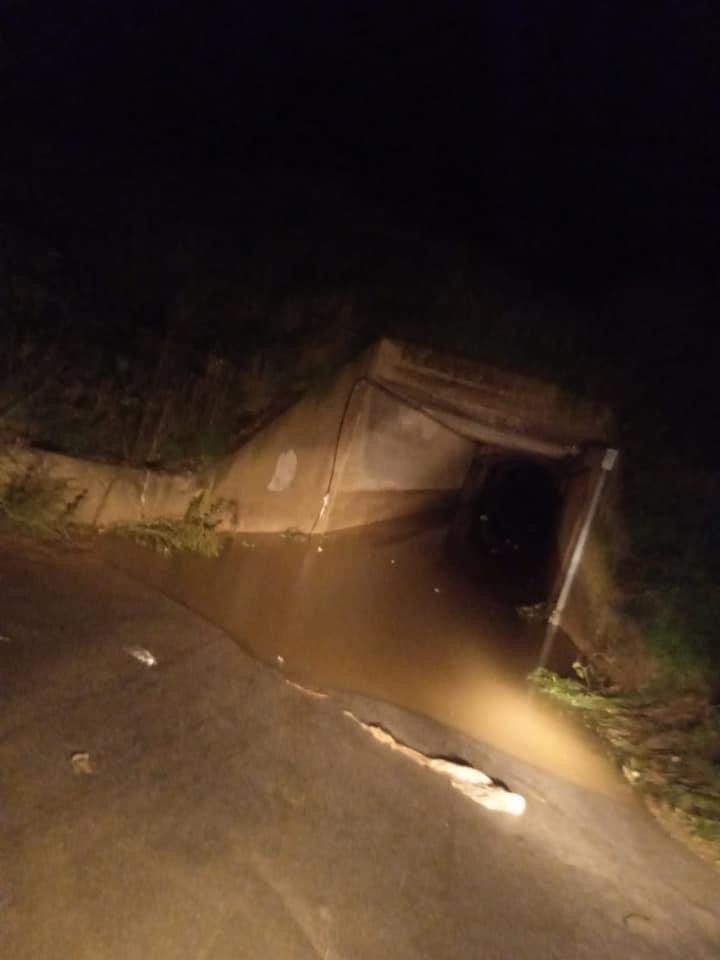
{"x":292,"y":533}
{"x":247,"y":544}
{"x":4,"y":639}
{"x":280,"y":658}
{"x":436,"y":589}
{"x":143,"y":655}
{"x":533,"y":612}
{"x":392,"y":562}
{"x":82,"y":764}
{"x":320,"y":549}
{"x":306,"y":690}
{"x":630,"y":774}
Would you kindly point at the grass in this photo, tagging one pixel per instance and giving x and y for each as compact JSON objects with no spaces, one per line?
{"x":667,"y":746}
{"x":34,"y":503}
{"x":294,"y":535}
{"x":194,"y":533}
{"x":673,"y":586}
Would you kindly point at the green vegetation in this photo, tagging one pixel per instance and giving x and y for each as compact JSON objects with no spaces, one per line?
{"x":673,"y":586}
{"x":33,"y":503}
{"x":294,"y":535}
{"x":667,"y":747}
{"x":196,"y":532}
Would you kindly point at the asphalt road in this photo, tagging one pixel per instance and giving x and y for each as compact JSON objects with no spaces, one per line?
{"x":229,"y":815}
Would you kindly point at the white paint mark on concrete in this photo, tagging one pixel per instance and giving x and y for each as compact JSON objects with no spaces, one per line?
{"x":285,"y":470}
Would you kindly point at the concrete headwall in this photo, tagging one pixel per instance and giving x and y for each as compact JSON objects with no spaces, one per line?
{"x":393,"y":434}
{"x":497,"y":406}
{"x":349,"y":456}
{"x":278,"y":479}
{"x":342,"y":456}
{"x":393,"y":461}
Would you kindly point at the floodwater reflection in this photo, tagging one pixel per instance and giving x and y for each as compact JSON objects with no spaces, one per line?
{"x":381,"y":612}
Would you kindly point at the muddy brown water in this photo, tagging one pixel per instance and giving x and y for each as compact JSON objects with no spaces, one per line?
{"x":381,"y":612}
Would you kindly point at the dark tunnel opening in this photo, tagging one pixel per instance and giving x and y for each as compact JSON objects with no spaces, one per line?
{"x":511,"y":529}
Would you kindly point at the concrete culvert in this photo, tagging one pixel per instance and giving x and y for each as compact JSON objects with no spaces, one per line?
{"x":511,"y":541}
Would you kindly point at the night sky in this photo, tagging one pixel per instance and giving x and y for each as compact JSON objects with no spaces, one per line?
{"x":551,"y":132}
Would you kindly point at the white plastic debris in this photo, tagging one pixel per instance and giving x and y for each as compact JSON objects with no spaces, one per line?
{"x":392,"y":562}
{"x":280,"y":658}
{"x":81,"y":763}
{"x":4,"y":639}
{"x":630,"y":774}
{"x":143,"y":655}
{"x":320,"y":550}
{"x":436,"y":589}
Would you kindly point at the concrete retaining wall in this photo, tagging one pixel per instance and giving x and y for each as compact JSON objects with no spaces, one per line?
{"x":102,"y":495}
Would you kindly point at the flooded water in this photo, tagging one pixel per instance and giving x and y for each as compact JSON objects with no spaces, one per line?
{"x":382,"y":612}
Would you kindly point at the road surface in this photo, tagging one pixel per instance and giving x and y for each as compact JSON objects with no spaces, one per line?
{"x":228,"y":815}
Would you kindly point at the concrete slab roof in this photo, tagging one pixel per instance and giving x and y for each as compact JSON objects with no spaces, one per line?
{"x":487,"y":404}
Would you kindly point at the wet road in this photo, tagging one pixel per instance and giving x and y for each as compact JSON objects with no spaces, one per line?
{"x":229,"y":816}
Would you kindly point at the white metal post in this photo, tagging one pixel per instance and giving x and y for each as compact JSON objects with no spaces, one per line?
{"x":608,"y":462}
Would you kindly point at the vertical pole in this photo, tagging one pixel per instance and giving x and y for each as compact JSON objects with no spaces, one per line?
{"x":608,"y":462}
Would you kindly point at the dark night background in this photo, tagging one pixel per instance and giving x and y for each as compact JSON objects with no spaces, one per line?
{"x":188,"y":188}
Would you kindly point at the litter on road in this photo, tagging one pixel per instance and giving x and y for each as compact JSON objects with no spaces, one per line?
{"x":82,"y":763}
{"x":143,"y":655}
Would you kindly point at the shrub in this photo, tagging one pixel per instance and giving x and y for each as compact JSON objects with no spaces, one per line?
{"x":33,"y":502}
{"x":196,"y":532}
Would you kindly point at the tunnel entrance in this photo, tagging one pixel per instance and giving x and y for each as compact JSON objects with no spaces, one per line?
{"x":510,"y":530}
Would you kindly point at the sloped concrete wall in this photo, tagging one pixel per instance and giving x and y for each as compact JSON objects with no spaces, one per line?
{"x":103,"y":495}
{"x":394,"y":461}
{"x":278,"y":479}
{"x":347,"y":456}
{"x":399,"y":448}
